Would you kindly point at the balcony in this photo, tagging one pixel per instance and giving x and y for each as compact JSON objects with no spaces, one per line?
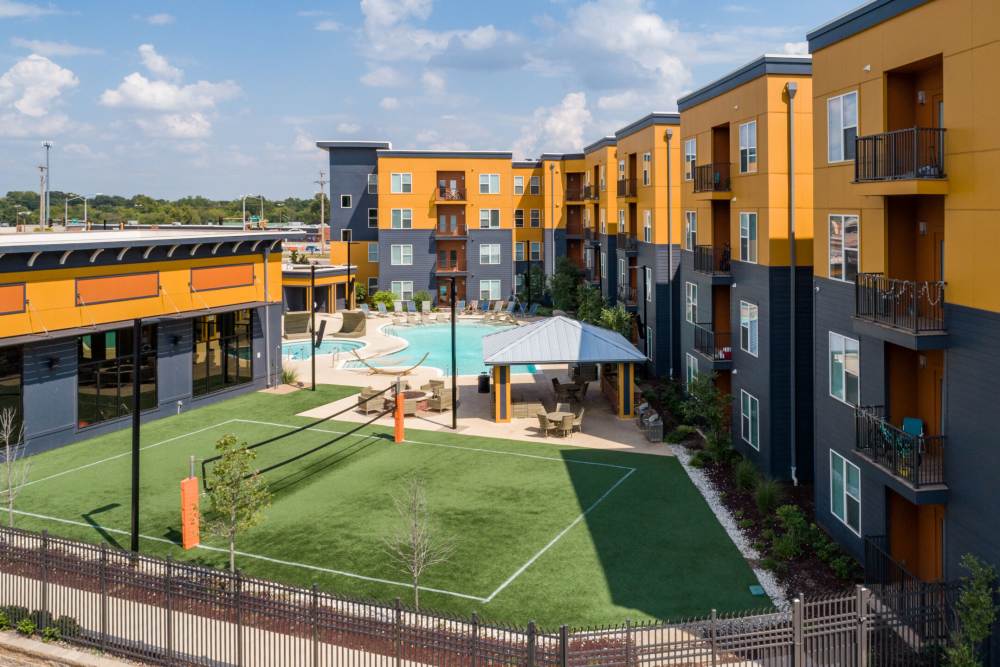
{"x":591,"y":192}
{"x":916,"y":460}
{"x":909,"y":313}
{"x":574,"y":228}
{"x":449,"y":194}
{"x":628,"y":243}
{"x":716,"y":346}
{"x":450,"y":232}
{"x":628,"y":295}
{"x":575,"y":193}
{"x":901,"y":162}
{"x":714,"y":262}
{"x":712,"y":180}
{"x":450,"y":266}
{"x":627,"y":187}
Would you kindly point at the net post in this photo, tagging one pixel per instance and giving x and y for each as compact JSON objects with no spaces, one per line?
{"x":400,"y":399}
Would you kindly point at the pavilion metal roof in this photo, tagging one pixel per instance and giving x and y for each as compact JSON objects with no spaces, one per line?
{"x":558,"y":340}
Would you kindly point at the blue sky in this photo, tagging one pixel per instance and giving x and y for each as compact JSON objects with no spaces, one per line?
{"x":220,"y":98}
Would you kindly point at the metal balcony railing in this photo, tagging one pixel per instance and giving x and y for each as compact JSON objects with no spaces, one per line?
{"x":450,"y":194}
{"x":627,"y":187}
{"x":449,"y":266}
{"x":917,"y":152}
{"x":716,"y":345}
{"x":712,"y":177}
{"x":575,"y":193}
{"x":591,"y":192}
{"x":627,"y":295}
{"x":916,"y":459}
{"x":458,"y":231}
{"x":574,"y":228}
{"x":628,"y":243}
{"x":711,"y":260}
{"x":914,"y":306}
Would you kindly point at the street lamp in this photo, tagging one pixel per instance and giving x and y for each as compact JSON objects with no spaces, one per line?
{"x":245,"y":197}
{"x":66,"y":202}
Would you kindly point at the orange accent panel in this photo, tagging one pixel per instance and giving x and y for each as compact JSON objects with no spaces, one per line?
{"x":190,"y":519}
{"x":12,"y":298}
{"x":221,"y":277}
{"x":105,"y":289}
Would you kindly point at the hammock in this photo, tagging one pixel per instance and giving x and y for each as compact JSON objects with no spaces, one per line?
{"x":383,"y":371}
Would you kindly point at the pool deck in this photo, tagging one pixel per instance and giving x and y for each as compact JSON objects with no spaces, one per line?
{"x":601,"y":427}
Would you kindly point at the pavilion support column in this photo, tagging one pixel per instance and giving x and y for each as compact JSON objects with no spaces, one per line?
{"x":626,"y":384}
{"x":501,"y":393}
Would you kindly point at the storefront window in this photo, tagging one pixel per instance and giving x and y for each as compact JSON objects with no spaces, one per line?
{"x":222,"y":351}
{"x":105,"y":371}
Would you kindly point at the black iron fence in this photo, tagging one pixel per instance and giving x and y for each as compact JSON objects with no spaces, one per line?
{"x":712,"y":177}
{"x":915,"y":458}
{"x":712,"y":260}
{"x":916,"y":152}
{"x":591,"y":192}
{"x":916,"y":306}
{"x":163,"y":612}
{"x":716,"y":345}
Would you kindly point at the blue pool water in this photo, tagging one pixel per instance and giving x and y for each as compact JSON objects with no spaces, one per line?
{"x":303,"y":350}
{"x":435,"y":339}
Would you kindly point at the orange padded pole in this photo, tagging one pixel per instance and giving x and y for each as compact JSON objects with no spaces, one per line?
{"x":399,"y":415}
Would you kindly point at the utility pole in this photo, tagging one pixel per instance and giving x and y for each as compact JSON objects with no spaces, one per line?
{"x":42,"y":211}
{"x":48,"y":180}
{"x":322,"y":210}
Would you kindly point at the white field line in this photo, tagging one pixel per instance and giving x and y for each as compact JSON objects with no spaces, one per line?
{"x":128,"y":453}
{"x":244,"y":554}
{"x":558,"y":537}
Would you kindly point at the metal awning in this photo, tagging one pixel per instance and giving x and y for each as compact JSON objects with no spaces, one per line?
{"x":558,"y":340}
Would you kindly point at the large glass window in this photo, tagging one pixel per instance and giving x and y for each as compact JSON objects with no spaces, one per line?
{"x":647,"y":226}
{"x":519,"y":217}
{"x":402,"y":254}
{"x":690,"y":155}
{"x":223,"y":351}
{"x":536,"y":217}
{"x":10,"y":382}
{"x":845,"y":368}
{"x":489,"y":290}
{"x":750,"y":419}
{"x":536,"y":251}
{"x":748,"y":237}
{"x":105,"y":372}
{"x":690,"y":230}
{"x":845,"y":491}
{"x":402,"y":289}
{"x":401,"y":183}
{"x":647,"y":160}
{"x":691,"y":302}
{"x":519,"y":185}
{"x":748,"y":147}
{"x":489,"y":184}
{"x":841,"y":127}
{"x":690,"y":370}
{"x":489,"y":253}
{"x":844,"y":247}
{"x":535,"y":185}
{"x":748,"y":327}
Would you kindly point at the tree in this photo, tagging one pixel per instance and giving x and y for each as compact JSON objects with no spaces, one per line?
{"x":976,"y":613}
{"x":360,"y":292}
{"x":705,"y":406}
{"x":238,"y":494}
{"x":617,"y":319}
{"x":420,"y":297}
{"x":384,"y":297}
{"x":533,"y":289}
{"x":14,"y":465}
{"x":589,"y":304}
{"x":565,"y":281}
{"x":414,"y":546}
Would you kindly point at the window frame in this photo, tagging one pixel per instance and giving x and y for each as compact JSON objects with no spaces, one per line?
{"x":750,"y":149}
{"x":491,"y":181}
{"x":647,"y":226}
{"x":690,"y":369}
{"x":691,"y":302}
{"x":372,"y":284}
{"x":647,"y":168}
{"x":372,"y":244}
{"x":491,"y":282}
{"x":690,"y":157}
{"x":648,"y":280}
{"x":519,"y":251}
{"x":845,"y":350}
{"x":750,"y":404}
{"x":535,"y":185}
{"x":843,"y":157}
{"x":519,"y":217}
{"x":371,"y":219}
{"x":749,"y":249}
{"x":604,"y":221}
{"x":752,"y":327}
{"x":519,"y":185}
{"x":489,"y":212}
{"x":845,"y":492}
{"x":649,"y":342}
{"x":402,"y":292}
{"x":373,"y":183}
{"x":535,"y":217}
{"x":690,"y":230}
{"x":405,"y":221}
{"x":844,"y":250}
{"x":490,"y":248}
{"x":535,"y":251}
{"x":349,"y":199}
{"x":405,"y":186}
{"x":402,"y":254}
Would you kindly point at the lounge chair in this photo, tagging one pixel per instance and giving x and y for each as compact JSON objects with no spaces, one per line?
{"x":578,"y":421}
{"x":533,"y":311}
{"x":370,"y":400}
{"x":507,"y":315}
{"x":471,"y":308}
{"x":412,"y":315}
{"x":566,"y":426}
{"x":492,"y":315}
{"x":441,"y":401}
{"x":425,"y":312}
{"x":460,"y":306}
{"x":382,"y":312}
{"x":544,"y":425}
{"x":365,"y":310}
{"x":398,"y":315}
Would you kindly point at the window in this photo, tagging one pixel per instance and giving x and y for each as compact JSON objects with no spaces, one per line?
{"x":844,"y":247}
{"x":519,"y":185}
{"x":402,"y":254}
{"x":489,"y":218}
{"x":519,"y":251}
{"x":11,"y":382}
{"x":647,"y":161}
{"x":345,"y":201}
{"x":535,"y":185}
{"x":845,"y":491}
{"x":690,"y":370}
{"x":402,"y":289}
{"x":372,"y":184}
{"x":372,"y":217}
{"x":604,"y":222}
{"x":536,"y":251}
{"x":586,"y":217}
{"x":373,"y":251}
{"x":489,"y":253}
{"x":588,"y":257}
{"x":690,"y":156}
{"x":536,"y":217}
{"x":489,"y":184}
{"x":402,"y":218}
{"x":748,"y":147}
{"x":750,"y":419}
{"x":691,"y":302}
{"x":845,"y":365}
{"x":649,"y":343}
{"x":519,"y":217}
{"x":748,"y":237}
{"x":401,"y":183}
{"x":621,"y":221}
{"x":372,"y":284}
{"x":346,"y":235}
{"x":604,"y":263}
{"x":647,"y":226}
{"x":223,"y":351}
{"x":621,"y":170}
{"x":600,"y":171}
{"x":748,"y":327}
{"x":649,"y":284}
{"x":690,"y":229}
{"x":489,"y":290}
{"x":104,"y":375}
{"x":622,"y":273}
{"x":841,"y":127}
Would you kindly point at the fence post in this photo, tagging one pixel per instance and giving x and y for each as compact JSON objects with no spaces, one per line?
{"x":314,"y":613}
{"x":397,"y":631}
{"x":798,"y":649}
{"x":532,"y":639}
{"x":104,"y":596}
{"x":563,"y":646}
{"x":474,"y":649}
{"x":863,"y":625}
{"x":238,"y":595}
{"x":713,"y":636}
{"x":169,"y":604}
{"x":628,"y":642}
{"x":45,"y":574}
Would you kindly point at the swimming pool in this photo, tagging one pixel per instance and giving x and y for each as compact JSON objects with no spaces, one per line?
{"x":299,"y":350}
{"x":435,"y":341}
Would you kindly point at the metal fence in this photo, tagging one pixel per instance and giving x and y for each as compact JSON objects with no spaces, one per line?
{"x":916,"y":152}
{"x":916,"y":306}
{"x":163,"y":612}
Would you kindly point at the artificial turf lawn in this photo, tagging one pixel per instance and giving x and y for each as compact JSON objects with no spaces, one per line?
{"x":651,"y":548}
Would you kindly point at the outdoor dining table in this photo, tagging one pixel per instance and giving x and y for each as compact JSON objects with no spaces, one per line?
{"x":557,"y":416}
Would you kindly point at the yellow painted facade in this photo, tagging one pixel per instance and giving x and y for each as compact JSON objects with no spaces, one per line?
{"x":599,"y":166}
{"x":649,"y":197}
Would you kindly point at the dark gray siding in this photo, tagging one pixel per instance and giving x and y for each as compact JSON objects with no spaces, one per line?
{"x":504,"y":271}
{"x":421,"y":272}
{"x":557,"y":237}
{"x":655,"y":313}
{"x":609,"y":281}
{"x":349,"y":169}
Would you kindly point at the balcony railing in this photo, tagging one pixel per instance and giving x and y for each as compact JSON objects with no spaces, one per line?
{"x":915,"y":306}
{"x":450,"y":194}
{"x":458,"y":231}
{"x":449,"y":266}
{"x":711,"y":260}
{"x":712,"y":177}
{"x":916,"y":459}
{"x":574,"y":228}
{"x":628,"y":242}
{"x":917,"y":152}
{"x":626,"y":187}
{"x":575,"y":193}
{"x":627,"y":295}
{"x":591,"y":192}
{"x":716,"y":345}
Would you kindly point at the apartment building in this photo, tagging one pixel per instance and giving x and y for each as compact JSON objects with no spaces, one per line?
{"x":907,"y":308}
{"x":739,"y":275}
{"x":601,"y":215}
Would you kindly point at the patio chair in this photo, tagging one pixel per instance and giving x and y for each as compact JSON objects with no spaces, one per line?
{"x":471,"y":308}
{"x":382,"y":312}
{"x":365,"y":311}
{"x":441,"y":401}
{"x":564,"y":407}
{"x":459,"y":307}
{"x":544,"y":425}
{"x":370,"y":400}
{"x":507,"y":315}
{"x":425,"y":312}
{"x":411,"y":311}
{"x":566,"y":426}
{"x":533,"y":311}
{"x":433,"y":386}
{"x":578,"y":420}
{"x":494,"y":314}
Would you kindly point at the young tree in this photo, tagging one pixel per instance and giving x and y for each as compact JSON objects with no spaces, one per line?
{"x":705,"y":406}
{"x":617,"y":319}
{"x":534,"y":286}
{"x":565,"y":281}
{"x":589,"y":304}
{"x":976,"y":613}
{"x":414,"y":546}
{"x":14,"y":465}
{"x":238,"y":494}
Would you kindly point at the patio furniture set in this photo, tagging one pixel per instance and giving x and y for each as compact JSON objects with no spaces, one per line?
{"x":432,"y":396}
{"x":649,"y":422}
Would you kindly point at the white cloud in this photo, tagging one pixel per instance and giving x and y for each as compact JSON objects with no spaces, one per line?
{"x":83,"y":151}
{"x":50,"y":49}
{"x":796,"y":48}
{"x":389,"y":103}
{"x":303,"y":142}
{"x":382,"y":77}
{"x":158,"y":64}
{"x":560,"y":128}
{"x":29,"y":93}
{"x":138,"y":92}
{"x":15,"y":10}
{"x":348,"y":128}
{"x":159,"y":19}
{"x":433,"y":81}
{"x":328,"y":25}
{"x":192,"y":125}
{"x":480,"y":38}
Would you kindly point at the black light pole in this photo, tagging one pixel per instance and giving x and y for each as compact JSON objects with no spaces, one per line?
{"x":454,"y":362}
{"x":645,"y":306}
{"x":312,"y":314}
{"x":136,"y":358}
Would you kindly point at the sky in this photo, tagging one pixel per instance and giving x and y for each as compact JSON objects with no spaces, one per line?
{"x":222,"y":98}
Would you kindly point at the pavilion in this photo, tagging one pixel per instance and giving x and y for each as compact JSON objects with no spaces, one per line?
{"x":562,"y":340}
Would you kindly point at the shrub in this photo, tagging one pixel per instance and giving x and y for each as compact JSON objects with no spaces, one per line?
{"x":843,"y":566}
{"x":589,"y":303}
{"x":976,"y":612}
{"x":384,"y":297}
{"x":4,"y":621}
{"x":564,"y":283}
{"x":746,"y":524}
{"x":420,"y":297}
{"x":705,"y":406}
{"x":681,"y":434}
{"x":544,"y":311}
{"x":50,"y":634}
{"x":700,"y":459}
{"x":617,"y":319}
{"x":718,"y":448}
{"x":767,"y":496}
{"x":67,"y":626}
{"x":289,"y":375}
{"x":770,"y":564}
{"x":15,"y":614}
{"x":360,"y":292}
{"x":745,"y":475}
{"x":26,"y":627}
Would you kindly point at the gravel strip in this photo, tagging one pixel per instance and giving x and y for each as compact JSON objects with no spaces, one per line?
{"x":779,"y":596}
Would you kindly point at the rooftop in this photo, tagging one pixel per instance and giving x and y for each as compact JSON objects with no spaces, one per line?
{"x":767,"y":64}
{"x":558,"y":340}
{"x":30,"y":241}
{"x":855,"y":21}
